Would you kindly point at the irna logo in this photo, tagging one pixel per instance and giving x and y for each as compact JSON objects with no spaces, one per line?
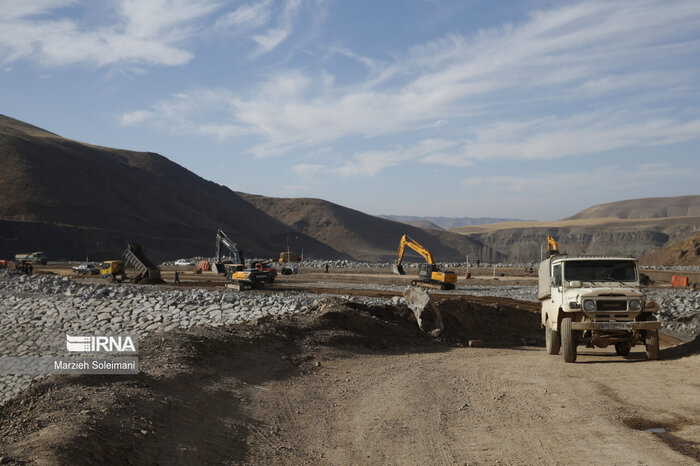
{"x":95,"y":344}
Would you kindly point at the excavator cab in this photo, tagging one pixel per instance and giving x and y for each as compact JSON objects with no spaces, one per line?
{"x":426,"y":271}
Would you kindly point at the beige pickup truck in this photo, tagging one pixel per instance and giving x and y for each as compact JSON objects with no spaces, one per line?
{"x":597,"y":302}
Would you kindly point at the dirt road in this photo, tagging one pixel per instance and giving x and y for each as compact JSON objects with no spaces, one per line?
{"x":509,"y":406}
{"x":353,"y":384}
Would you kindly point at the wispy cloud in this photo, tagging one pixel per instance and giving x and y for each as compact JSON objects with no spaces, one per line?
{"x":583,"y":78}
{"x":152,"y":32}
{"x":246,"y":16}
{"x":274,"y":36}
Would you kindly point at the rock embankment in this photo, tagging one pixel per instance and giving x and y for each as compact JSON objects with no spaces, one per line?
{"x":37,"y":312}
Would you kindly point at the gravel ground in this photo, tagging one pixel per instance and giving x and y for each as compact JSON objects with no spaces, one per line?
{"x":37,"y":312}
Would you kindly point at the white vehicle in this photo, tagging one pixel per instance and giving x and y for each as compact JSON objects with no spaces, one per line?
{"x":595,"y":301}
{"x":87,"y":268}
{"x":183,"y":262}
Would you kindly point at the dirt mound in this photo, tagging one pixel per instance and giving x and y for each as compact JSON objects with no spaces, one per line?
{"x":497,"y":325}
{"x":188,"y":404}
{"x":685,"y":252}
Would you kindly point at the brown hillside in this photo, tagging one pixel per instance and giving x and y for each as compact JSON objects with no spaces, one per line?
{"x":364,"y":236}
{"x":523,"y":241}
{"x":686,"y":252}
{"x":71,"y":199}
{"x":654,"y":207}
{"x":424,"y":224}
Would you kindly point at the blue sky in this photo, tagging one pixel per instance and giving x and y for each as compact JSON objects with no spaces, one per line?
{"x":520,"y":109}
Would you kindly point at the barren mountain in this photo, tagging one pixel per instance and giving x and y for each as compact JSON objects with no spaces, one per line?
{"x":71,"y":199}
{"x":447,"y":223}
{"x":524,"y":241}
{"x":364,"y":236}
{"x":653,"y":207}
{"x":685,"y":252}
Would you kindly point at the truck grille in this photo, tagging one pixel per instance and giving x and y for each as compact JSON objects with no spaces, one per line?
{"x":610,"y":305}
{"x":612,"y":317}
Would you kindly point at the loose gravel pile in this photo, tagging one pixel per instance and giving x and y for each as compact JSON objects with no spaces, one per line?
{"x":37,"y":312}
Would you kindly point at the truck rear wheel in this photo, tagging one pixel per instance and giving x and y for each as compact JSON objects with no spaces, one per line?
{"x":552,"y":339}
{"x":568,"y":340}
{"x":622,"y":348}
{"x":652,"y":345}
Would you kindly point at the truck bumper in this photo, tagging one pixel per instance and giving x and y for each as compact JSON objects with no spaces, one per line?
{"x":603,"y":326}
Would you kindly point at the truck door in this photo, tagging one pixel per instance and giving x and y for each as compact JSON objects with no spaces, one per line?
{"x":557,"y":295}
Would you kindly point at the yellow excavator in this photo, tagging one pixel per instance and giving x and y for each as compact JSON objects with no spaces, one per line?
{"x":429,"y":274}
{"x":553,"y":246}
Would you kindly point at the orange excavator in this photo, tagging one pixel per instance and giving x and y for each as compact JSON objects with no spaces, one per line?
{"x":429,"y":274}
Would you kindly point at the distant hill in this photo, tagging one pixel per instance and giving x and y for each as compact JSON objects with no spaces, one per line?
{"x":447,"y":223}
{"x":653,"y":207}
{"x":364,"y":236}
{"x":524,"y":241}
{"x":71,"y":199}
{"x":426,"y":225}
{"x":685,"y":252}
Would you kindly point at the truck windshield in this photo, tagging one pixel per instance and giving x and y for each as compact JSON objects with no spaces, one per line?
{"x":600,"y":271}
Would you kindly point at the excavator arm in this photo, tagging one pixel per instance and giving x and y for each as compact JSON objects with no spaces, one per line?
{"x":407,"y":241}
{"x":223,"y":239}
{"x":552,"y":246}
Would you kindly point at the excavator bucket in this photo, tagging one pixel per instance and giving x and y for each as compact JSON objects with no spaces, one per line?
{"x":398,"y":269}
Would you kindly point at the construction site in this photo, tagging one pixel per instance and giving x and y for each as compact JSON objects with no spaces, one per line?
{"x":341,"y":362}
{"x":148,"y":315}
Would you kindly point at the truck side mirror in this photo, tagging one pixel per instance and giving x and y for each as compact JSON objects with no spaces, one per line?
{"x":575,"y":284}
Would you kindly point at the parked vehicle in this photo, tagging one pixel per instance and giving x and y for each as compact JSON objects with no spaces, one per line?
{"x":88,"y":268}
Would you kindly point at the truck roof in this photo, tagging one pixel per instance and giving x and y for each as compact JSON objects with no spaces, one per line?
{"x":567,"y":257}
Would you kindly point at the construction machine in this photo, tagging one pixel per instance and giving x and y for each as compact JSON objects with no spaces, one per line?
{"x":429,"y":274}
{"x":113,"y":271}
{"x":135,"y":257}
{"x":32,"y":258}
{"x":266,"y":267}
{"x":235,"y":257}
{"x":241,"y":277}
{"x":552,"y":246}
{"x":288,"y":256}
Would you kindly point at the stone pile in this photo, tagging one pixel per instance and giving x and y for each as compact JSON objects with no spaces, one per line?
{"x":37,"y":312}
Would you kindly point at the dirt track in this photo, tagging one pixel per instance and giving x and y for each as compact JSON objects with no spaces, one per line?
{"x":350,"y":384}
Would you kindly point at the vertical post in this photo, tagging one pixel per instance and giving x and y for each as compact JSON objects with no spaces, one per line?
{"x":494,"y":271}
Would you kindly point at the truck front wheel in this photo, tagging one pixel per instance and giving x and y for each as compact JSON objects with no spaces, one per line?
{"x":568,"y":340}
{"x":652,"y":345}
{"x":552,"y":338}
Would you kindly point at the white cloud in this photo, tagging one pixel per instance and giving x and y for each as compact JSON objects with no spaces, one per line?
{"x":151,"y":32}
{"x":274,"y":36}
{"x":247,"y":16}
{"x":513,"y":92}
{"x":370,"y":163}
{"x":135,"y":117}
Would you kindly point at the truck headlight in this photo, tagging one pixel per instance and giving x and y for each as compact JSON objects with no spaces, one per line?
{"x":589,"y":305}
{"x":635,"y":305}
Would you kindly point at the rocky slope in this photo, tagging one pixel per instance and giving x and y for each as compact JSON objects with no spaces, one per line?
{"x":655,"y":207}
{"x":523,"y":241}
{"x":363,"y":236}
{"x":685,"y":252}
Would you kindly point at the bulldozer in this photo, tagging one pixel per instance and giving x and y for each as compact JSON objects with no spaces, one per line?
{"x":429,"y":274}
